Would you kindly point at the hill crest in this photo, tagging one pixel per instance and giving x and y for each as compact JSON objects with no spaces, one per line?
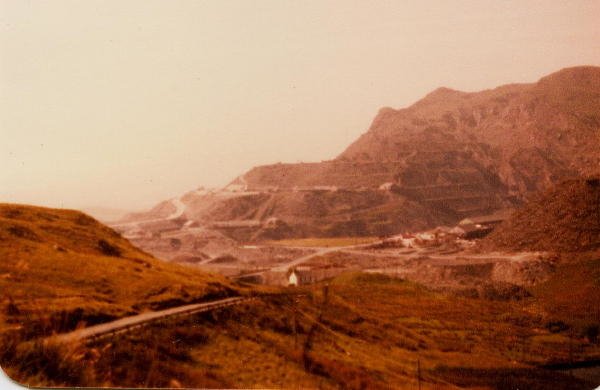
{"x":62,"y":267}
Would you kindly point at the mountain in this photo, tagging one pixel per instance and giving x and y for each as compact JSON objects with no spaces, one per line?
{"x":61,"y":267}
{"x":449,"y":156}
{"x":513,"y":139}
{"x":526,"y":135}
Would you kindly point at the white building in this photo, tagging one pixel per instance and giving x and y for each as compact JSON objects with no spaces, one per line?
{"x":293,"y":279}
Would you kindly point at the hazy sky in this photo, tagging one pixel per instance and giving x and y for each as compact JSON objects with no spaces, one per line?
{"x":125,"y":103}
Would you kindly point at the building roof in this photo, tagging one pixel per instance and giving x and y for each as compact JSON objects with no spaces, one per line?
{"x":496,"y":217}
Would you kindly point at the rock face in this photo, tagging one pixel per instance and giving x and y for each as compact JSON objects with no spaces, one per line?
{"x":449,"y":156}
{"x":527,"y":136}
{"x":511,"y":140}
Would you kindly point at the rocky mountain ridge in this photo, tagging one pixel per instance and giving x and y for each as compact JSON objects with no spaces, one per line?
{"x":449,"y":156}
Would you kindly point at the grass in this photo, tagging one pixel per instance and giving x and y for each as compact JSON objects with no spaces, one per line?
{"x":63,"y":269}
{"x":60,"y":269}
{"x":572,"y":294}
{"x":362,"y":331}
{"x":323,"y":242}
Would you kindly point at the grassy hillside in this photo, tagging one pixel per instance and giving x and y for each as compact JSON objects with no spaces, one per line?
{"x":61,"y":268}
{"x":565,"y":218}
{"x":572,"y":294}
{"x":366,"y":331}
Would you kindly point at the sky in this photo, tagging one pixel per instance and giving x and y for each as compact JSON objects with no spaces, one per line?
{"x":124,"y":103}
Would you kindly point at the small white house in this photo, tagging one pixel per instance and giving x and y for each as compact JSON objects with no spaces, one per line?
{"x":425,"y":236}
{"x":466,"y":221}
{"x":293,"y":279}
{"x":271,"y":222}
{"x":408,"y":242}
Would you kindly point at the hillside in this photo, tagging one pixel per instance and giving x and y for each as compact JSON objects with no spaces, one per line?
{"x":449,"y":156}
{"x":362,"y":332}
{"x":61,"y":268}
{"x":565,"y":218}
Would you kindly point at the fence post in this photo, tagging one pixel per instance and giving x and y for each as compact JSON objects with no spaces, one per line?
{"x":419,"y":372}
{"x":296,"y":323}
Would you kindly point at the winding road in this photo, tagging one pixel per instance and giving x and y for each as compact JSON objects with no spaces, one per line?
{"x":127,"y":323}
{"x":303,"y":259}
{"x":179,"y":208}
{"x":175,"y":202}
{"x":319,"y":251}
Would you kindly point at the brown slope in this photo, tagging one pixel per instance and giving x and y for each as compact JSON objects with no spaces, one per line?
{"x":59,"y":267}
{"x":565,"y":218}
{"x":328,"y":213}
{"x":529,"y":135}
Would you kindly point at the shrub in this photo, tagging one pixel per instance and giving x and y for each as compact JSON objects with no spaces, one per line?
{"x":43,"y":361}
{"x":556,"y":326}
{"x":591,"y":332}
{"x":109,"y":249}
{"x":23,"y":232}
{"x":175,"y":243}
{"x":11,"y":308}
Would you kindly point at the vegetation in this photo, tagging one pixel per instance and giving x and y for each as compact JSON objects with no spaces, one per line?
{"x":64,"y":270}
{"x":571,"y":296}
{"x":61,"y":269}
{"x":362,"y":331}
{"x":564,"y":218}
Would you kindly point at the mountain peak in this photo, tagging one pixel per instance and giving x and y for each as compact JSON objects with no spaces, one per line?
{"x":575,"y":74}
{"x":440,"y":94}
